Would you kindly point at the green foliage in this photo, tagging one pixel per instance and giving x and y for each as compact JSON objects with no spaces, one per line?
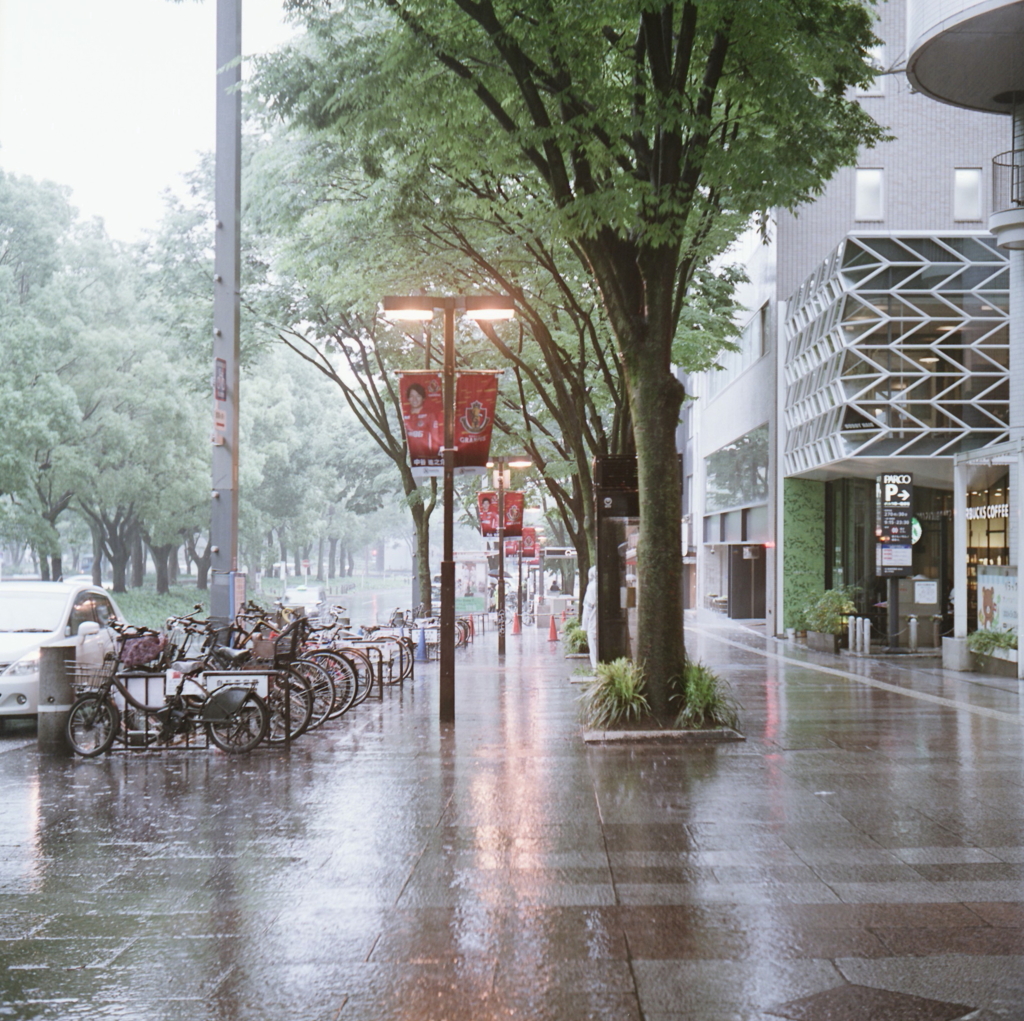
{"x":983,"y":642}
{"x":829,"y":614}
{"x":615,"y":696}
{"x":705,"y":700}
{"x":143,"y":606}
{"x":574,"y":637}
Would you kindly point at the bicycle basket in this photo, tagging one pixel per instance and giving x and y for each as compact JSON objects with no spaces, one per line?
{"x":89,"y":676}
{"x":136,"y":652}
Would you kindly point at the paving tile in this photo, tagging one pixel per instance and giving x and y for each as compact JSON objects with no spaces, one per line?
{"x":990,"y":941}
{"x":855,"y":1003}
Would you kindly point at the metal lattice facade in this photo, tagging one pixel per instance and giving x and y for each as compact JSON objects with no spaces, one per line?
{"x":898,"y":346}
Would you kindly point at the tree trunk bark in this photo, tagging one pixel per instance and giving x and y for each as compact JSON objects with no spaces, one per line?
{"x":138,"y":560}
{"x":97,"y":556}
{"x":332,"y":553}
{"x":44,"y":566}
{"x":656,"y":397}
{"x":56,"y":567}
{"x":172,"y":565}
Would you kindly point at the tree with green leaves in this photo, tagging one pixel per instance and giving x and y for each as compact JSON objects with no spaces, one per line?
{"x":648,"y":134}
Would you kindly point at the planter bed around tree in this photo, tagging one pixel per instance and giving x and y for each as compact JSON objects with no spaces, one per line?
{"x":820,"y":641}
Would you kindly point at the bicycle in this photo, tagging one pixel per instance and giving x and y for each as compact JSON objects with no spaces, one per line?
{"x":234,"y":717}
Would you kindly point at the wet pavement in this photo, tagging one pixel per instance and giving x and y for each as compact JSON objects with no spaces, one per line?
{"x":859,"y":856}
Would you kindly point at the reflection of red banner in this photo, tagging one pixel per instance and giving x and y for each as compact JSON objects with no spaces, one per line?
{"x":529,"y":541}
{"x":476,"y":394}
{"x":513,"y":513}
{"x":423,"y":419}
{"x":487,"y":506}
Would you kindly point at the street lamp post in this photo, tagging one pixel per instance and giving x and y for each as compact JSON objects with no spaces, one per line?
{"x":422,"y":308}
{"x":501,"y":466}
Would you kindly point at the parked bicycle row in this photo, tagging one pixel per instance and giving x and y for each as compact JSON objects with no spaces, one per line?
{"x":262,"y":679}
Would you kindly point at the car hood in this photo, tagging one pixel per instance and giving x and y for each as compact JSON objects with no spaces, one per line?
{"x":16,"y":644}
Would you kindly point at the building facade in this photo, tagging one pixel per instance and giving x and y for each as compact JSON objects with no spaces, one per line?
{"x":876,"y":340}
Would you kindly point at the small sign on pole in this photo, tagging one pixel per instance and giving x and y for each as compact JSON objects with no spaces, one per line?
{"x":894,"y":496}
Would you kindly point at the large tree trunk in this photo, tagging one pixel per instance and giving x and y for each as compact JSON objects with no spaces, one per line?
{"x":332,"y":553}
{"x":56,"y":567}
{"x":44,"y":565}
{"x":320,"y":560}
{"x":138,"y":561}
{"x":656,"y":398}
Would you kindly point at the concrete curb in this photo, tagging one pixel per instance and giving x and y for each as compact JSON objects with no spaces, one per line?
{"x":661,"y":736}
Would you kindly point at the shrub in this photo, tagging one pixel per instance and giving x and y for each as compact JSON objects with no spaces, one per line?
{"x":983,"y":642}
{"x":705,"y":700}
{"x":574,"y":637}
{"x":615,"y":696}
{"x":829,"y":614}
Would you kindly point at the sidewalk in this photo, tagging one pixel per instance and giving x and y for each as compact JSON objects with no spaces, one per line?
{"x":860,"y":856}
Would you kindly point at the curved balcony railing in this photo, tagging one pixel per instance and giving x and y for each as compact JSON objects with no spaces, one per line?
{"x":1008,"y":180}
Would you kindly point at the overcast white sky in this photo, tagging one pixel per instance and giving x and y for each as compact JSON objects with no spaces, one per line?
{"x":115,"y":98}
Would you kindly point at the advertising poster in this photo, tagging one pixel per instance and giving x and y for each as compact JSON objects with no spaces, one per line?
{"x":423,"y":421}
{"x":997,"y":598}
{"x":487,"y":508}
{"x":476,"y":394}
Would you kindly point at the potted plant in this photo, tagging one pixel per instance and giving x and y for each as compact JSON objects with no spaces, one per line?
{"x":827,"y":620}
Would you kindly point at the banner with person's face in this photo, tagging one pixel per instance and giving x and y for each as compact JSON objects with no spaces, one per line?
{"x":487,"y":508}
{"x":423,"y":420}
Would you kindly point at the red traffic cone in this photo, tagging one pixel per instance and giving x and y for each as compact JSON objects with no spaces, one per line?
{"x":472,"y":625}
{"x":517,"y":627}
{"x":553,"y":630}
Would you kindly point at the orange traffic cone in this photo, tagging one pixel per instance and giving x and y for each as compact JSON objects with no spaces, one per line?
{"x":517,"y":627}
{"x":563,"y":616}
{"x":553,"y":630}
{"x":472,"y":625}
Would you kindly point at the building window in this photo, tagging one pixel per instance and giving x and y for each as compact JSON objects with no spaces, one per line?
{"x":868,"y":198}
{"x":876,"y":58}
{"x":967,"y":194}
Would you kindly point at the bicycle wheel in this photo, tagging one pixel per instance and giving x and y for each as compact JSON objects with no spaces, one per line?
{"x":346,"y":682}
{"x":243,"y":729}
{"x":290,"y":702}
{"x":322,"y":683}
{"x":364,"y":672}
{"x":92,"y":725}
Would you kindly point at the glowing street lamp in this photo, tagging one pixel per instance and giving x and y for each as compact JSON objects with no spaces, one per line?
{"x":422,"y":308}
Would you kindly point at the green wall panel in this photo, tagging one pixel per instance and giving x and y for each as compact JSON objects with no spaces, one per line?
{"x":803,"y":551}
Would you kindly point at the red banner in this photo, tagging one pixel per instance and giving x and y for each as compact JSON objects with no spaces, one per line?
{"x":529,"y":541}
{"x":487,"y":507}
{"x":476,"y":395}
{"x":513,"y":514}
{"x":423,"y":419}
{"x":512,"y":547}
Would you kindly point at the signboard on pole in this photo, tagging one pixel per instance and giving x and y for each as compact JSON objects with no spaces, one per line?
{"x":487,"y":508}
{"x":476,"y":396}
{"x":513,"y":514}
{"x":894,"y":501}
{"x":423,"y":420}
{"x":529,"y":541}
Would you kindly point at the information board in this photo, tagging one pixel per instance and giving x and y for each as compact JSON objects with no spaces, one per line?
{"x":894,"y":496}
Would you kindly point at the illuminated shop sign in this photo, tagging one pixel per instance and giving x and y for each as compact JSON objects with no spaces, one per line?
{"x":993,"y":510}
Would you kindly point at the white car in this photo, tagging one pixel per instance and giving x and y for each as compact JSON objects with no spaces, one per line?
{"x":33,"y":613}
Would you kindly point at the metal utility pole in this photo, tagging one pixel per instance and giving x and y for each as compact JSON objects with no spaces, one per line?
{"x":224,"y":594}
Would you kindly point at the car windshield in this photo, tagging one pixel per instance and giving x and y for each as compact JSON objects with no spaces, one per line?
{"x":31,"y":611}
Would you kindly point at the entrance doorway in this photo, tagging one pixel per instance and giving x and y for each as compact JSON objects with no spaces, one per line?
{"x":747,"y":582}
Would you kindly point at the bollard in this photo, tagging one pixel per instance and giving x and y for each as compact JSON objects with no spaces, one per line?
{"x":56,"y":663}
{"x":851,"y":631}
{"x":865,"y":636}
{"x":912,"y":632}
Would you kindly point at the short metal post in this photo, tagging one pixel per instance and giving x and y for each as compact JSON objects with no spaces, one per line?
{"x":56,"y":664}
{"x":851,"y":630}
{"x":912,"y":632}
